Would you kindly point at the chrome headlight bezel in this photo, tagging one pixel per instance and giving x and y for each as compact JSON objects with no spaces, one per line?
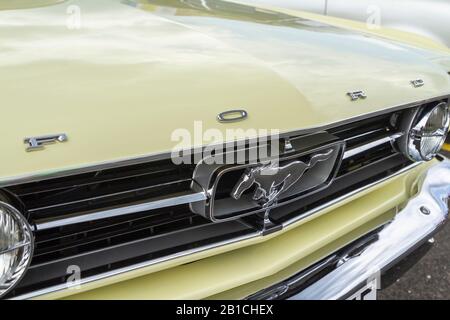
{"x":24,"y":248}
{"x":413,"y":126}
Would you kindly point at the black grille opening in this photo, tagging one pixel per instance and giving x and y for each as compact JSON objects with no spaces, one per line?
{"x":361,"y":132}
{"x":80,"y":238}
{"x":101,"y":189}
{"x":366,"y":158}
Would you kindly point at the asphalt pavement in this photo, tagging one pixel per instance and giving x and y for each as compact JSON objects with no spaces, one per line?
{"x":429,"y":278}
{"x":425,"y":274}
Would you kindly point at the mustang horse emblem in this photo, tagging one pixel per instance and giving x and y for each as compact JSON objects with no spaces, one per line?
{"x":272,"y":181}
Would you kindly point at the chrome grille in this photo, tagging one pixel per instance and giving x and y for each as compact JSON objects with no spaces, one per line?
{"x":115,"y":218}
{"x":106,"y":219}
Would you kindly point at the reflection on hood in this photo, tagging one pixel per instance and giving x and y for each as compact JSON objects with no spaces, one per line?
{"x":228,"y":10}
{"x":26,"y":4}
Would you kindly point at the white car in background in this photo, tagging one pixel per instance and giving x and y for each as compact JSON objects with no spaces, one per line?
{"x":430,"y":18}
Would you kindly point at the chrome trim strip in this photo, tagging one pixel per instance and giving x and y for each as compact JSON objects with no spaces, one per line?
{"x":108,"y":195}
{"x":157,"y":204}
{"x":211,"y":246}
{"x":14,"y":180}
{"x":135,"y":267}
{"x":363,"y":134}
{"x":275,"y":291}
{"x":352,"y":152}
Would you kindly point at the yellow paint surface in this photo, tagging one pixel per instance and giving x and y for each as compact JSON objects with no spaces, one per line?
{"x":131,"y":78}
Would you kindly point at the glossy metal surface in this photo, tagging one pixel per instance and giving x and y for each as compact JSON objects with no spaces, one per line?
{"x":38,"y":143}
{"x":428,"y":18}
{"x":292,"y":285}
{"x":372,"y":144}
{"x":416,"y":125}
{"x":140,"y":72}
{"x":356,"y":95}
{"x":418,"y":83}
{"x":232,"y":116}
{"x":163,"y":202}
{"x":410,"y":228}
{"x":16,"y":247}
{"x":209,"y":175}
{"x":272,"y":180}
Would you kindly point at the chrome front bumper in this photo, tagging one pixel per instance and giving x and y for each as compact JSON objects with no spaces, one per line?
{"x":412,"y":226}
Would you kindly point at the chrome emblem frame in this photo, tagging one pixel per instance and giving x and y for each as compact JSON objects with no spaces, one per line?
{"x":272,"y":180}
{"x":37,"y":143}
{"x":309,"y":165}
{"x":356,"y":95}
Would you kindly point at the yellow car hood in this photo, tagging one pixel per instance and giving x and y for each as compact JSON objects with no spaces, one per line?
{"x":120,"y":77}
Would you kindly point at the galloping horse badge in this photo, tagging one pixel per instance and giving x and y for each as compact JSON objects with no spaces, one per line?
{"x":272,"y":180}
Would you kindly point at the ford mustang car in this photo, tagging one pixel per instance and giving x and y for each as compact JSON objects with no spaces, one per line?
{"x":209,"y":149}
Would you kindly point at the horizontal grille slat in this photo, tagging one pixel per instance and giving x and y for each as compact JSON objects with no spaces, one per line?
{"x":101,"y":225}
{"x":366,"y":158}
{"x":119,"y":211}
{"x":107,"y":235}
{"x":380,"y":132}
{"x":146,"y":170}
{"x":363,"y":131}
{"x":113,"y":196}
{"x":362,"y":138}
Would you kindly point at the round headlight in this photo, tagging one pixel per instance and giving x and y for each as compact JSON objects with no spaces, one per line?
{"x":16,"y":247}
{"x":427,"y":132}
